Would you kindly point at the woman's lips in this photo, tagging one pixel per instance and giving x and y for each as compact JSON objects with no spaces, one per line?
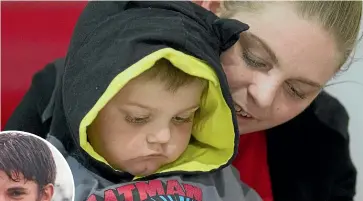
{"x":241,"y":112}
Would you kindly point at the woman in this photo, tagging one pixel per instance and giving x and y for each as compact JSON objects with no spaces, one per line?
{"x":276,"y":74}
{"x":307,"y":157}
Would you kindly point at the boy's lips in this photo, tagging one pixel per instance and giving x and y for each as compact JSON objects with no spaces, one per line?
{"x":154,"y":156}
{"x":157,"y":158}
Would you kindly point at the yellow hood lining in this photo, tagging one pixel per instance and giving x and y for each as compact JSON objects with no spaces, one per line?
{"x":213,"y":128}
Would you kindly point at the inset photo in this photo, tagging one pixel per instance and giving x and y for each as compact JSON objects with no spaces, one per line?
{"x":32,"y":169}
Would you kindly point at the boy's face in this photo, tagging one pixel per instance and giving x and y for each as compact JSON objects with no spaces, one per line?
{"x":26,"y":190}
{"x":145,"y":126}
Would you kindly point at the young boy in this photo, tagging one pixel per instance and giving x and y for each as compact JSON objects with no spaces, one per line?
{"x":148,"y":123}
{"x":136,"y":112}
{"x":27,"y":168}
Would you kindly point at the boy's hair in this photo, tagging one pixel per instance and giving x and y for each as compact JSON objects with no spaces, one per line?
{"x":27,"y":156}
{"x":173,"y":77}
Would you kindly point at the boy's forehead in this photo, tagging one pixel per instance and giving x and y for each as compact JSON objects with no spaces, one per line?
{"x":14,"y":176}
{"x":152,"y":93}
{"x":16,"y":182}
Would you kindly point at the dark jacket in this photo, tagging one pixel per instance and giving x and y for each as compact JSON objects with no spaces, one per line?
{"x":112,"y":43}
{"x":308,"y":156}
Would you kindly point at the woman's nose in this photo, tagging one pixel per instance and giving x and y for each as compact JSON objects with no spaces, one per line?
{"x":263,"y":90}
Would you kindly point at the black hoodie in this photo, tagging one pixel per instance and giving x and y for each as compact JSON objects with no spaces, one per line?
{"x":114,"y":42}
{"x":308,"y":157}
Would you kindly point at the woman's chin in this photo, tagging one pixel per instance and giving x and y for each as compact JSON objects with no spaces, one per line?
{"x":246,"y":126}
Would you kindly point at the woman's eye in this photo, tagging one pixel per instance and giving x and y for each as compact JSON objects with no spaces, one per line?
{"x":180,"y":120}
{"x":136,"y":120}
{"x":252,"y":62}
{"x":294,"y":92}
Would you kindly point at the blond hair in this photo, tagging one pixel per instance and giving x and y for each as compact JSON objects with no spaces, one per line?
{"x":340,"y":18}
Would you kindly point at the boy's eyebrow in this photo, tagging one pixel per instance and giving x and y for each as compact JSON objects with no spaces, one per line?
{"x":194,"y":107}
{"x":139,"y":105}
{"x":16,"y":188}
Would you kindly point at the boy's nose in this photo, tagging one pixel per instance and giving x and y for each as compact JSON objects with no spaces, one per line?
{"x":161,"y":136}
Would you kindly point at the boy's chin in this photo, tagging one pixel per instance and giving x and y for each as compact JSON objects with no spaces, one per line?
{"x":143,"y":170}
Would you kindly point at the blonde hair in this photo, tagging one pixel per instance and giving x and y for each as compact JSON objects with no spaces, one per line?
{"x":339,"y":18}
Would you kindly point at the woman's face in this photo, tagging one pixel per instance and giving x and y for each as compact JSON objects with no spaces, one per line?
{"x":278,"y":67}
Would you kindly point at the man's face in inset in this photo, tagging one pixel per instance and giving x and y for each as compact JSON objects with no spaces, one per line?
{"x":21,"y":189}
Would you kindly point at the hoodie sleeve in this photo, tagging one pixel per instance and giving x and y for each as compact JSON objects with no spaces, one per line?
{"x":249,"y":192}
{"x":27,"y":115}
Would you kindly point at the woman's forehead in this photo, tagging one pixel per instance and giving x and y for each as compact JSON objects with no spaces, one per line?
{"x":297,"y":45}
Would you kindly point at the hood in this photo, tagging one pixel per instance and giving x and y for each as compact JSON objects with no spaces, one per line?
{"x":114,"y":42}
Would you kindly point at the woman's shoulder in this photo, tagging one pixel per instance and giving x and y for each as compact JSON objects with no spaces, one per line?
{"x":308,"y":153}
{"x":331,"y":113}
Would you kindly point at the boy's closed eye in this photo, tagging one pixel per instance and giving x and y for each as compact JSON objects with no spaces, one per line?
{"x":16,"y":192}
{"x":145,"y":119}
{"x":180,"y":120}
{"x":138,"y":118}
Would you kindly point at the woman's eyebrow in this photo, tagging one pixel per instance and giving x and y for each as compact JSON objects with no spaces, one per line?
{"x":253,"y":38}
{"x":309,"y":82}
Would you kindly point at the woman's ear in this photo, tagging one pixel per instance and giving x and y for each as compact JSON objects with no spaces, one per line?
{"x":209,"y":5}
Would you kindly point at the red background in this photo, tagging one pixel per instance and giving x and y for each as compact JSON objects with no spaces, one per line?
{"x":32,"y":35}
{"x":35,"y":33}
